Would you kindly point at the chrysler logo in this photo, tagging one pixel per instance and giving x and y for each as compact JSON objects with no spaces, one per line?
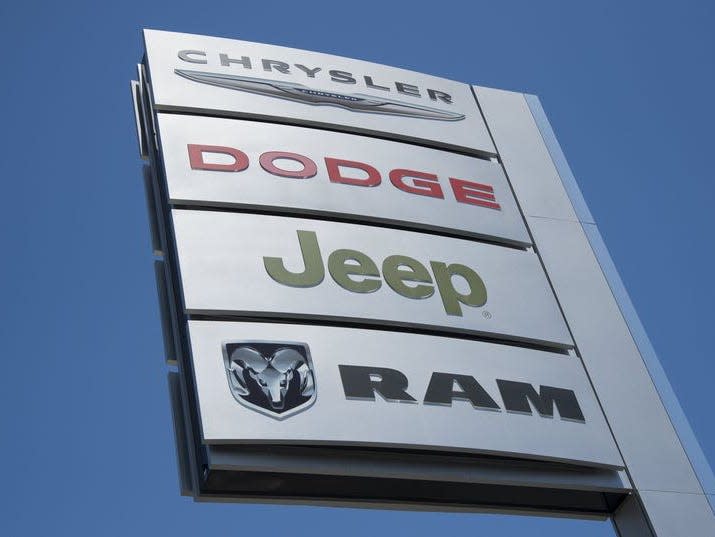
{"x":298,"y":92}
{"x":273,"y":378}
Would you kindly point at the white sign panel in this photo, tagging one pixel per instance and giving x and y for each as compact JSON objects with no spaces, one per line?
{"x":235,"y":163}
{"x":272,"y":266}
{"x":241,"y":79}
{"x":278,"y":383}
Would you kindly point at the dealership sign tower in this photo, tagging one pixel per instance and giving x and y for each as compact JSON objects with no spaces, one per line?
{"x":383,"y":288}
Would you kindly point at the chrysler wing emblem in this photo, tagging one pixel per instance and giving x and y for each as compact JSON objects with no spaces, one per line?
{"x":304,"y":94}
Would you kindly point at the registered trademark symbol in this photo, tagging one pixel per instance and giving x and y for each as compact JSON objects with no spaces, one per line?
{"x":487,"y":315}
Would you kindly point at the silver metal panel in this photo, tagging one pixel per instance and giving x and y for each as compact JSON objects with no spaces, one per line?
{"x":673,"y":514}
{"x":667,"y":395}
{"x":685,"y":433}
{"x":422,"y":466}
{"x":527,"y":162}
{"x":655,"y":369}
{"x":334,"y":419}
{"x":653,"y":455}
{"x":221,"y":258}
{"x":559,"y":159}
{"x":383,"y":202}
{"x":393,"y":102}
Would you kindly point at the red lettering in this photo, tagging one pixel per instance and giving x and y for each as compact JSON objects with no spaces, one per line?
{"x":268,"y":159}
{"x":474,"y":193}
{"x":424,"y":184}
{"x":334,"y":166}
{"x":411,"y":181}
{"x":196,"y":158}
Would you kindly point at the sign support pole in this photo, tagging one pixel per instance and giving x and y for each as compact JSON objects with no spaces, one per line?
{"x":673,"y":484}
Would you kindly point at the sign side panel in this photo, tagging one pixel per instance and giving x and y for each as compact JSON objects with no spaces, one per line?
{"x":655,"y":458}
{"x":653,"y":454}
{"x":531,"y":171}
{"x":665,"y":390}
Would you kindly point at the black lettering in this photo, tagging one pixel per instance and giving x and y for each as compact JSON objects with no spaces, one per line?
{"x":307,"y":70}
{"x":370,"y":84}
{"x":518,"y":395}
{"x":226,"y":61}
{"x":342,"y":76}
{"x":363,"y":382}
{"x":281,"y":67}
{"x":441,"y":391}
{"x":439,"y":95}
{"x":407,"y":89}
{"x":186,"y":56}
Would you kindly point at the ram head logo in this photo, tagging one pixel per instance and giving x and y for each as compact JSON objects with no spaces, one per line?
{"x":274,"y":378}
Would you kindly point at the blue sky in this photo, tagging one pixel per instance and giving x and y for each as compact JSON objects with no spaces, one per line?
{"x":87,"y":443}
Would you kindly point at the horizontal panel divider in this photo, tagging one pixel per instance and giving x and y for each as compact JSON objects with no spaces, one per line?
{"x":366,"y":324}
{"x":459,"y":150}
{"x":341,"y":218}
{"x":406,"y":493}
{"x":414,"y":463}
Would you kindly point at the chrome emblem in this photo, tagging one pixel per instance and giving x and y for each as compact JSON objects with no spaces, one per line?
{"x":273,"y":378}
{"x":306,"y":95}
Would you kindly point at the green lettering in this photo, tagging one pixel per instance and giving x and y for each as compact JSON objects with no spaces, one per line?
{"x":452,"y":299}
{"x":312,"y":260}
{"x":398,"y":269}
{"x":341,"y":271}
